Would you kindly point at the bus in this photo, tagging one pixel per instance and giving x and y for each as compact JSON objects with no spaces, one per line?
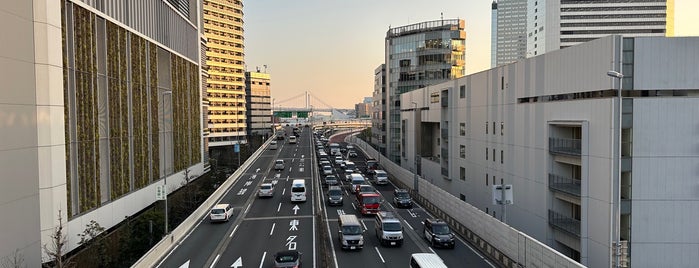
{"x":335,"y":149}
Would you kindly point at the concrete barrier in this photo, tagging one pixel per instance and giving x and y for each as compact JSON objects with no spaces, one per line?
{"x":503,"y":244}
{"x":165,"y":245}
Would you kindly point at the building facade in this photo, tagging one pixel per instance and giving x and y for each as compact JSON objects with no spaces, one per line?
{"x":258,"y":99}
{"x":586,"y":175}
{"x":494,"y":34}
{"x":223,"y":28}
{"x":509,"y":28}
{"x":555,"y":24}
{"x":362,"y":110}
{"x":378,"y":109}
{"x":419,"y":55}
{"x":102,"y":105}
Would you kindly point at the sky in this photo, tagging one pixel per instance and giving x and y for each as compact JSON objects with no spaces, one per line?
{"x":331,"y":48}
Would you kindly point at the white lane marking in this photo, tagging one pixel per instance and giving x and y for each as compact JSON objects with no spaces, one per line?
{"x":236,"y":228}
{"x":364,"y":225}
{"x":246,"y":210}
{"x":283,"y":191}
{"x":355,"y":207}
{"x":409,"y":226}
{"x":215,"y":261}
{"x":262,"y":261}
{"x":272,"y":230}
{"x":279,"y":207}
{"x":430,"y":248}
{"x":377,"y":252}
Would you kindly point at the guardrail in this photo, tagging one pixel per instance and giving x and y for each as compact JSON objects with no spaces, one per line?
{"x":155,"y":254}
{"x":503,"y":244}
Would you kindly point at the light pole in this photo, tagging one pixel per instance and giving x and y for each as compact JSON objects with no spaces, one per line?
{"x":616,"y":182}
{"x":165,"y":138}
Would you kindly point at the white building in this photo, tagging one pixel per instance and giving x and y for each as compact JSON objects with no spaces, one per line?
{"x":101,"y":101}
{"x":508,"y":30}
{"x":549,"y":126}
{"x":554,"y":24}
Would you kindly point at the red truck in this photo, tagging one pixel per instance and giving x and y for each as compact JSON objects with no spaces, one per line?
{"x":368,"y":203}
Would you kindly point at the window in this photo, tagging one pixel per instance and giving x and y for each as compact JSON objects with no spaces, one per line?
{"x":502,"y":83}
{"x":493,"y":154}
{"x":462,"y":151}
{"x":462,"y":173}
{"x":502,"y":157}
{"x":486,"y":153}
{"x":434,"y":97}
{"x":486,"y":127}
{"x":493,"y":127}
{"x":462,"y":129}
{"x":462,"y":92}
{"x":502,"y":128}
{"x":486,"y":179}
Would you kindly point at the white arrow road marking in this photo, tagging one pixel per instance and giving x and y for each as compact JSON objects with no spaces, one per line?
{"x":272,"y":231}
{"x":248,"y":183}
{"x":257,"y":170}
{"x":185,"y":265}
{"x":296,"y":209}
{"x":238,"y":262}
{"x":340,"y":212}
{"x":252,"y":177}
{"x":242,"y":191}
{"x":274,"y":182}
{"x":278,"y":175}
{"x":412,"y":214}
{"x":293,"y":224}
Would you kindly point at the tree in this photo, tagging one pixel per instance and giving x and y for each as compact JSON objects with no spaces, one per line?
{"x":55,"y":248}
{"x":14,"y":261}
{"x":93,"y":239}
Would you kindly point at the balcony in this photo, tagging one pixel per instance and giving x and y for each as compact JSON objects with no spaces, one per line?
{"x":563,"y":223}
{"x":565,"y":185}
{"x":565,"y":146}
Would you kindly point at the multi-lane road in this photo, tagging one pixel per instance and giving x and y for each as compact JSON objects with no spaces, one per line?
{"x":260,"y":227}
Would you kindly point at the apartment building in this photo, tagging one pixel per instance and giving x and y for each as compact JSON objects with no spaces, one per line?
{"x":258,"y":101}
{"x":378,"y":108}
{"x":419,"y":55}
{"x":100,"y":104}
{"x":603,"y":179}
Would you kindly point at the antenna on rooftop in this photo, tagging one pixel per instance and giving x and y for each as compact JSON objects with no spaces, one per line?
{"x":265,"y":68}
{"x":258,"y":68}
{"x":441,"y":14}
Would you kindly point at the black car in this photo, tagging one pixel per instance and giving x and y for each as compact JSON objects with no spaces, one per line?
{"x":437,"y":232}
{"x":352,"y":153}
{"x":401,"y":198}
{"x":335,"y":195}
{"x":287,"y":258}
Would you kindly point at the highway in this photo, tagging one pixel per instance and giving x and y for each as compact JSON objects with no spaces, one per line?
{"x":260,"y":227}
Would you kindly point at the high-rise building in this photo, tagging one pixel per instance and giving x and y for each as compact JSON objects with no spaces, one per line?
{"x":378,"y":109}
{"x":362,"y":110}
{"x":100,"y":104}
{"x":494,"y":34}
{"x":555,"y":24}
{"x":419,"y":55}
{"x":594,"y":161}
{"x":223,"y":28}
{"x":258,"y":101}
{"x":508,"y":30}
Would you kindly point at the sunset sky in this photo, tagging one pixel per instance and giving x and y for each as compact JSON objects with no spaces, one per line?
{"x":331,"y":48}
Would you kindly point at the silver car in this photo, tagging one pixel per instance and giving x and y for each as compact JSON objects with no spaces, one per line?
{"x":266,"y":190}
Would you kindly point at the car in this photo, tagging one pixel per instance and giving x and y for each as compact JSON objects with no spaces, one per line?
{"x":331,"y":180}
{"x":327,"y":170}
{"x":335,"y":195}
{"x":279,"y":164}
{"x":323,"y":163}
{"x":352,"y":153}
{"x":437,"y":232}
{"x":266,"y":190}
{"x":380,"y":177}
{"x":401,"y":198}
{"x":343,"y":164}
{"x":338,"y":160}
{"x":287,"y":258}
{"x":221,"y":212}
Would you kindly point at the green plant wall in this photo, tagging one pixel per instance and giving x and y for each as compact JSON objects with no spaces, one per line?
{"x":118,"y":110}
{"x":154,"y":108}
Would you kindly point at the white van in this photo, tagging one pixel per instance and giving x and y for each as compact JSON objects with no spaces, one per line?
{"x":351,"y":234}
{"x":356,"y":179}
{"x":292,"y":139}
{"x":221,"y":212}
{"x":298,"y":190}
{"x":273,"y":145}
{"x":426,"y":260}
{"x":380,"y":177}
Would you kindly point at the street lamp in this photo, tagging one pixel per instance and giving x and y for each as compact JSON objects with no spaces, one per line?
{"x":165,"y":138}
{"x":616,"y":182}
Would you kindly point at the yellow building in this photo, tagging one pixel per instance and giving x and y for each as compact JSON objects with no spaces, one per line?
{"x":223,"y":28}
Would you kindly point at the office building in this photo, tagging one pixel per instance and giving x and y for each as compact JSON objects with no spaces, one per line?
{"x":100,"y":104}
{"x":223,"y":28}
{"x":258,"y":102}
{"x":362,"y":110}
{"x":508,"y":31}
{"x":419,"y":55}
{"x":554,"y":24}
{"x":586,"y":175}
{"x":378,"y":108}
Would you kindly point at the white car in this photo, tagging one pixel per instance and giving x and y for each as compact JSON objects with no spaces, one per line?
{"x":266,"y":190}
{"x":338,"y":160}
{"x":327,"y":170}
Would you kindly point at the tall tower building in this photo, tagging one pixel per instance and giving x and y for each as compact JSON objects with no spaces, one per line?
{"x":494,"y":34}
{"x":223,"y":28}
{"x":106,"y":105}
{"x":419,"y":55}
{"x":509,"y":31}
{"x":258,"y":100}
{"x":555,"y":24}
